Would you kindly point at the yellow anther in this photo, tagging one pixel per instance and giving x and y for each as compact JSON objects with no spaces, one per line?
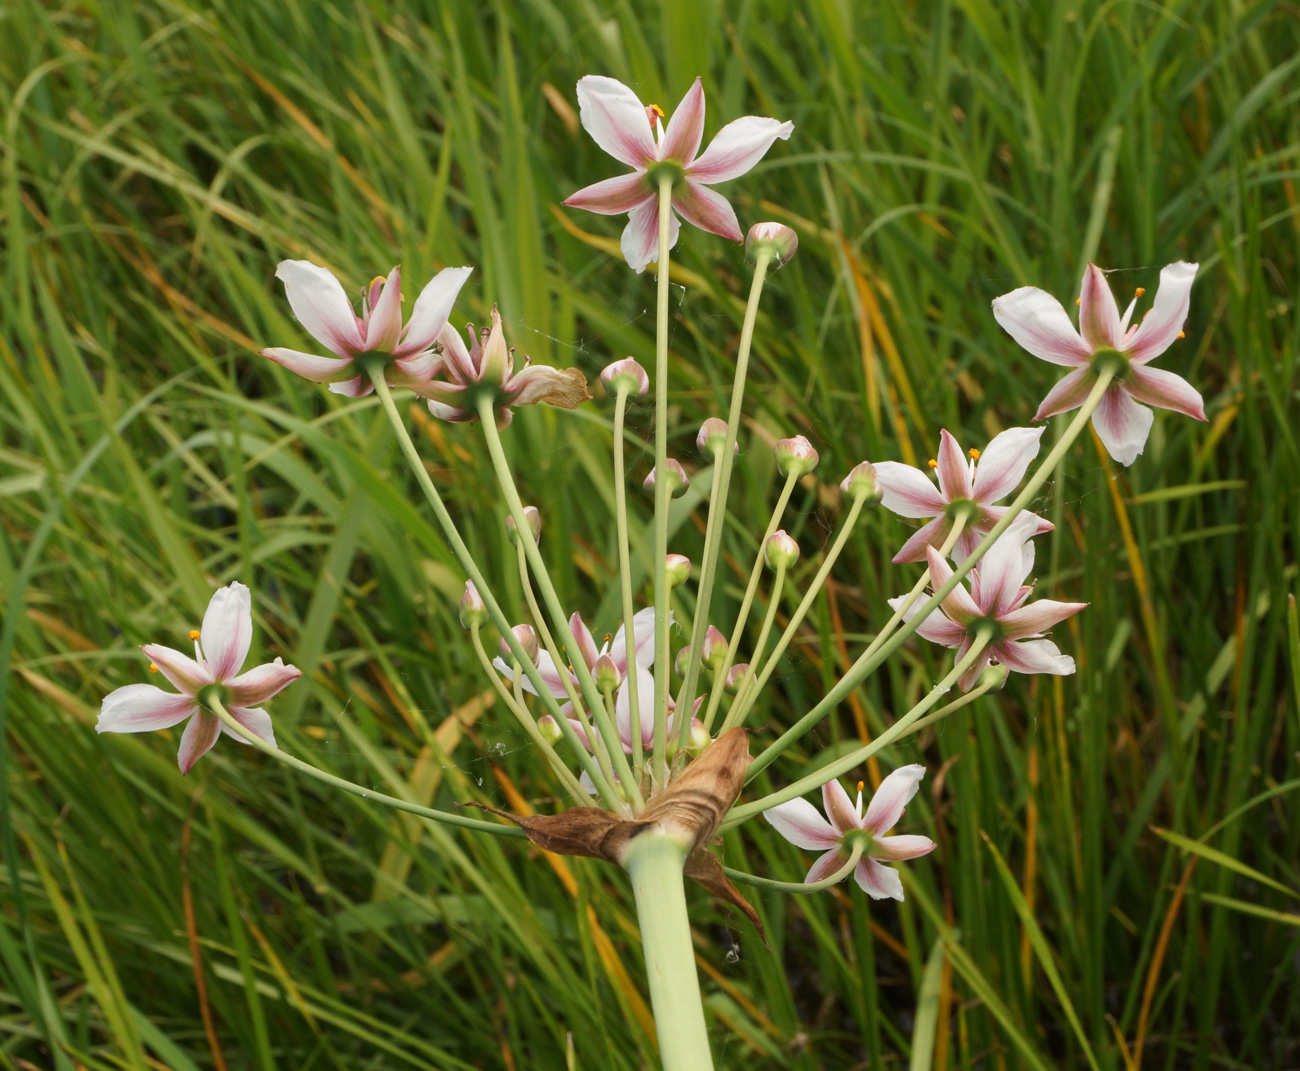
{"x":1139,"y":291}
{"x":861,"y":785}
{"x":657,"y":110}
{"x":974,"y":454}
{"x":932,"y":463}
{"x":376,"y":279}
{"x":609,"y":637}
{"x":194,"y":634}
{"x":1078,"y":301}
{"x":1182,"y":334}
{"x":153,"y":668}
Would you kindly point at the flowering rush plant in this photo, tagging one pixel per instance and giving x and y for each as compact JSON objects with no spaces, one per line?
{"x":649,"y":731}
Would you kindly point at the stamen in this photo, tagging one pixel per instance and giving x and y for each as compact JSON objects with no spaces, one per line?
{"x":1078,"y":301}
{"x":609,"y":637}
{"x":1139,"y":291}
{"x":1182,"y":334}
{"x":194,"y":634}
{"x":153,"y":668}
{"x":932,"y":463}
{"x":376,"y":279}
{"x":861,"y":785}
{"x":974,"y":454}
{"x":658,"y":113}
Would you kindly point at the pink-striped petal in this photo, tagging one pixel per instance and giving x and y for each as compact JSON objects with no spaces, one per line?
{"x":185,"y":673}
{"x":952,"y":469}
{"x":707,"y":210}
{"x":1034,"y":656}
{"x":432,"y":307}
{"x":878,"y":881}
{"x":1004,"y":462}
{"x":895,"y":793}
{"x":1004,"y":567}
{"x":643,"y":632}
{"x":616,"y":120}
{"x":1068,"y":394}
{"x":460,"y":365}
{"x":800,"y":823}
{"x":257,"y":722}
{"x":640,"y":241}
{"x":261,"y":682}
{"x":681,"y":140}
{"x":958,"y":604}
{"x":968,"y":679}
{"x":1041,"y":325}
{"x":451,"y":413}
{"x":1036,"y":617}
{"x":310,"y":366}
{"x":1164,"y":389}
{"x":907,"y":491}
{"x":587,"y":648}
{"x":826,"y":865}
{"x":318,"y":300}
{"x":932,"y":534}
{"x":357,"y":387}
{"x":613,"y":196}
{"x":384,"y":325}
{"x":1122,"y":424}
{"x":839,"y":807}
{"x":197,"y":740}
{"x":413,"y":371}
{"x":142,"y":708}
{"x":227,"y":630}
{"x":939,"y":628}
{"x":737,"y":147}
{"x":898,"y":849}
{"x":1098,"y":313}
{"x":645,"y":694}
{"x":1157,"y":332}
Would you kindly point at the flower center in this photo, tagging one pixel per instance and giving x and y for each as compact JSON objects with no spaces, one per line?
{"x":211,"y":693}
{"x":990,"y":626}
{"x":1112,"y":361}
{"x":671,"y":170}
{"x":962,"y":509}
{"x":865,"y":836}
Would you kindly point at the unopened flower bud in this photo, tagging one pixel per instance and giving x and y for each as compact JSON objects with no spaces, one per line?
{"x":627,"y":374}
{"x":781,"y":550}
{"x":715,"y":647}
{"x":993,"y":678}
{"x":681,"y":661}
{"x":534,"y":520}
{"x":862,"y":481}
{"x":699,"y":740}
{"x":606,"y":674}
{"x":736,"y":675}
{"x":713,"y":437}
{"x":678,"y":568}
{"x":472,"y":610}
{"x":527,"y":637}
{"x":678,"y":481}
{"x":795,"y":456}
{"x":550,"y":729}
{"x":775,"y":239}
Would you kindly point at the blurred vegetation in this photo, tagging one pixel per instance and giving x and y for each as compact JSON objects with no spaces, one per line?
{"x":160,"y":158}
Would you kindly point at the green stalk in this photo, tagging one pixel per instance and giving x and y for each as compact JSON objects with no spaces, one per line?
{"x":654,"y":863}
{"x":658,"y":766}
{"x":458,"y":547}
{"x":210,"y":699}
{"x":802,"y":887}
{"x":854,"y":758}
{"x":750,"y":590}
{"x":487,"y":417}
{"x":625,"y":577}
{"x":870,"y":660}
{"x":746,"y":686}
{"x":718,"y":501}
{"x":954,"y":706}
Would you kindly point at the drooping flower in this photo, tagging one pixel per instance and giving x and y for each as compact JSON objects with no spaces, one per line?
{"x":489,"y":365}
{"x":220,"y":647}
{"x":1041,"y":325}
{"x":964,"y":485}
{"x":800,"y":824}
{"x":998,"y":600}
{"x":322,"y":307}
{"x":633,"y":134}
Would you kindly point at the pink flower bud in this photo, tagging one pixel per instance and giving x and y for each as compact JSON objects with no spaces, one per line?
{"x":736,"y":675}
{"x":678,"y":481}
{"x":775,"y":239}
{"x":715,"y":647}
{"x":713,"y":437}
{"x":534,"y":520}
{"x":781,"y":549}
{"x":795,"y":456}
{"x":606,"y":674}
{"x":862,"y":481}
{"x":626,"y":373}
{"x":527,"y":637}
{"x":472,"y":610}
{"x":679,"y":569}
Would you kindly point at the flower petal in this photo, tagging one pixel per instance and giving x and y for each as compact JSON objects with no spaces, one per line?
{"x":1122,"y":424}
{"x":358,"y":387}
{"x":460,"y":364}
{"x":894,"y":793}
{"x":185,"y":673}
{"x":197,"y":740}
{"x":1036,"y":617}
{"x":1157,"y":387}
{"x":310,"y":366}
{"x":645,"y":694}
{"x":615,"y":118}
{"x":261,"y":682}
{"x":1004,"y":462}
{"x":681,"y":140}
{"x":931,"y":534}
{"x":826,"y":865}
{"x":957,"y":604}
{"x":384,"y":326}
{"x":587,"y":648}
{"x":907,"y":491}
{"x":839,"y":808}
{"x":257,"y":722}
{"x":413,"y":371}
{"x":897,"y":849}
{"x":640,"y":241}
{"x":643,"y":631}
{"x":1068,"y":394}
{"x":967,"y":680}
{"x":878,"y":881}
{"x":801,"y":824}
{"x":613,"y":196}
{"x":432,"y":307}
{"x":141,"y":708}
{"x":318,"y":300}
{"x":1157,"y":332}
{"x":1004,"y":567}
{"x":1098,"y":313}
{"x":227,"y":630}
{"x":952,"y":469}
{"x":737,"y":147}
{"x":1034,"y":656}
{"x":707,"y":210}
{"x":1041,"y":325}
{"x":564,"y":387}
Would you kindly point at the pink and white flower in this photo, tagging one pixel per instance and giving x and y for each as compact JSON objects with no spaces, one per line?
{"x":800,"y":824}
{"x":633,"y":134}
{"x":322,"y":307}
{"x":997,"y":600}
{"x":971,"y":485}
{"x":1041,"y":325}
{"x":220,"y":647}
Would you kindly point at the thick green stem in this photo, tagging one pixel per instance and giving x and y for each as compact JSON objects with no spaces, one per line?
{"x":658,"y":765}
{"x":870,"y":660}
{"x":718,"y":500}
{"x":625,"y":578}
{"x":213,"y":702}
{"x":654,"y":863}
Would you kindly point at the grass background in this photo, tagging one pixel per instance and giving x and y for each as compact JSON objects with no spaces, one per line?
{"x":160,"y":158}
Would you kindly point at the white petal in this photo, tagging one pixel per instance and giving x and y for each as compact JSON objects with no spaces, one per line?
{"x":318,"y":300}
{"x":1004,"y":462}
{"x":707,"y":210}
{"x":1069,"y":393}
{"x":227,"y":630}
{"x":261,"y":682}
{"x":185,"y":673}
{"x":1041,"y":325}
{"x":839,"y":808}
{"x":432,"y":307}
{"x":197,"y":740}
{"x":952,"y":468}
{"x":1122,"y":424}
{"x":640,"y":242}
{"x":897,"y":849}
{"x":826,"y":865}
{"x":1034,"y":656}
{"x":1005,"y":566}
{"x":1098,"y":313}
{"x":1157,"y":332}
{"x":737,"y":147}
{"x":682,"y":138}
{"x":801,"y":824}
{"x":384,"y":325}
{"x":1157,"y":387}
{"x":878,"y":881}
{"x":311,"y":366}
{"x":894,"y":793}
{"x":907,"y":491}
{"x":257,"y":722}
{"x":616,"y":119}
{"x":142,"y":708}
